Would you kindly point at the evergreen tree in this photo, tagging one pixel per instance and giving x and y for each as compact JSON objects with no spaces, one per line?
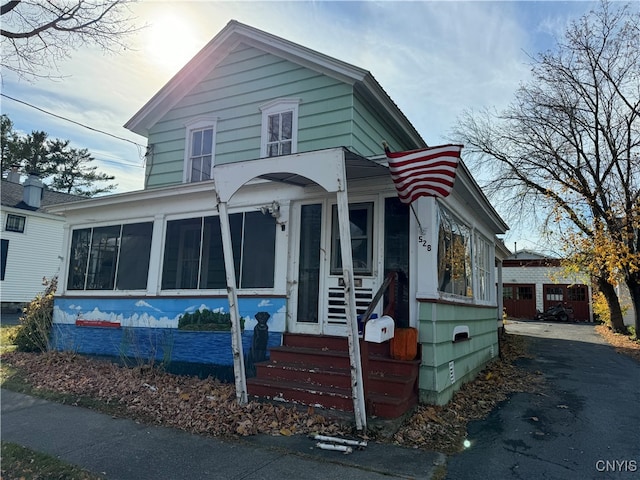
{"x":60,"y":166}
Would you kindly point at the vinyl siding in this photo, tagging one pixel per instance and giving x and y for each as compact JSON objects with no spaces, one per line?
{"x":437,"y":322}
{"x":370,"y":129}
{"x":329,"y":115}
{"x":32,"y":255}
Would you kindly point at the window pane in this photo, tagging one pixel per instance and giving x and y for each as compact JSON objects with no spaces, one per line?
{"x":196,"y":143}
{"x":577,"y":294}
{"x":287,"y":125}
{"x":206,"y":168}
{"x":135,"y":250}
{"x":207,"y":141}
{"x":196,"y":169}
{"x":4,"y":252}
{"x":286,"y":148}
{"x":360,"y":225}
{"x":454,"y":256}
{"x":182,"y":254}
{"x":213,"y":272}
{"x":396,"y":256}
{"x":78,"y":258}
{"x":272,"y":150}
{"x":273,"y":133}
{"x":236,"y":225}
{"x":309,"y":265}
{"x":15,"y":223}
{"x":258,"y":252}
{"x":524,"y":293}
{"x":102,"y":258}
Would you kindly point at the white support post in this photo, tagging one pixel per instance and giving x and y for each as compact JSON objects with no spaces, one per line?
{"x":236,"y":333}
{"x":357,"y":386}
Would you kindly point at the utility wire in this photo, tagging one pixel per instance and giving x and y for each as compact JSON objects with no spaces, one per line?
{"x":73,"y":121}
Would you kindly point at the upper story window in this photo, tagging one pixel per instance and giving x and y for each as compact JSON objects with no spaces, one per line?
{"x":199,"y":150}
{"x":15,"y":223}
{"x":110,"y":257}
{"x":279,"y":128}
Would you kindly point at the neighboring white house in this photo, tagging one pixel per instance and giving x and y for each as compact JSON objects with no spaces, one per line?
{"x":31,"y":239}
{"x":534,"y":282}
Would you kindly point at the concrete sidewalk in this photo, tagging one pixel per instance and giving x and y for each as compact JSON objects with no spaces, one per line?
{"x":123,"y":449}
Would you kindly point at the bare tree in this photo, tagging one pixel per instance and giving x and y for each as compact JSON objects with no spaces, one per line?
{"x":36,"y":34}
{"x":570,"y":143}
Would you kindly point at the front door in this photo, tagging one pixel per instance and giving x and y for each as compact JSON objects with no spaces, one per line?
{"x":320,"y":301}
{"x":364,"y":243}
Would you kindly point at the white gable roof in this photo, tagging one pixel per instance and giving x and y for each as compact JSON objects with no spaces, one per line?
{"x":236,"y":33}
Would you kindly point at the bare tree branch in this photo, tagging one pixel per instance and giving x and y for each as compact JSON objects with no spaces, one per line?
{"x":570,"y":141}
{"x":36,"y":34}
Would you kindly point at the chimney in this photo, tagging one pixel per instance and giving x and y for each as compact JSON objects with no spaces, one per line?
{"x":14,"y":175}
{"x":33,"y":190}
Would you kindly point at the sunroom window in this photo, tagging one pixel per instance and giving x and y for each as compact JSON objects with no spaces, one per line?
{"x":110,"y":257}
{"x":279,"y":128}
{"x":484,"y":262}
{"x":193,"y":256}
{"x":454,"y":256}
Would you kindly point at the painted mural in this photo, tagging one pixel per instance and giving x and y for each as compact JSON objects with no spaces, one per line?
{"x":174,"y":331}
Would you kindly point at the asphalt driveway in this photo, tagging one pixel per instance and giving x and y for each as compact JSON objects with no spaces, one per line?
{"x":583,"y":424}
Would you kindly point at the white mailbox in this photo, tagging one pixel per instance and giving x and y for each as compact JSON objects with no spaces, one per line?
{"x":378,"y":330}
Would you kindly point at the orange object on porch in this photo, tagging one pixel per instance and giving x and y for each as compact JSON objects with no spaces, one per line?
{"x":404,"y":344}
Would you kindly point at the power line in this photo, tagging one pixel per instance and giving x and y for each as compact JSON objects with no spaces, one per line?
{"x":73,"y":121}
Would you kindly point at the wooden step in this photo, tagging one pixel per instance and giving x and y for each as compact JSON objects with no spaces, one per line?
{"x":303,"y":373}
{"x":327,"y":342}
{"x":316,"y":395}
{"x":378,"y":382}
{"x":315,"y":370}
{"x":390,"y":407}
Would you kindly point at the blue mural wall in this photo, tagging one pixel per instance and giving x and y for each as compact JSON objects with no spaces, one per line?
{"x":147,"y":329}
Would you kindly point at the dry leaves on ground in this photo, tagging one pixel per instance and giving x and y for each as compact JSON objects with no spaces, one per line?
{"x":443,"y":428}
{"x":622,"y":343}
{"x":189,"y":403}
{"x":210,"y":407}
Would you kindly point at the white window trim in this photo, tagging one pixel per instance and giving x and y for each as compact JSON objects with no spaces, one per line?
{"x":197,"y":124}
{"x":279,"y":105}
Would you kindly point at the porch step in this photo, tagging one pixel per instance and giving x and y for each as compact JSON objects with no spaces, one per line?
{"x":315,"y":370}
{"x":381,"y":382}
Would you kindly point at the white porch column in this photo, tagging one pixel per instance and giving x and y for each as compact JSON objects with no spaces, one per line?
{"x":357,"y":387}
{"x":236,"y":333}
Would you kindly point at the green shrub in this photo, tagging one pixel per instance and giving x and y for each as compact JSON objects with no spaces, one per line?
{"x":35,"y":324}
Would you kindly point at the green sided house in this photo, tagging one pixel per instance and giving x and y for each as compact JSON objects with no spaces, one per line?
{"x":269,"y":231}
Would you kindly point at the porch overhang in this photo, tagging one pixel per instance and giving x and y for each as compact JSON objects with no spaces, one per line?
{"x":329,"y":168}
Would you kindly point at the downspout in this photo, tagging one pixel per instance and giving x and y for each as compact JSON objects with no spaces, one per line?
{"x":357,"y":386}
{"x":236,"y":333}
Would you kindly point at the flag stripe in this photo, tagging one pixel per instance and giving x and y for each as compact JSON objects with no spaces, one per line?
{"x":425,"y":172}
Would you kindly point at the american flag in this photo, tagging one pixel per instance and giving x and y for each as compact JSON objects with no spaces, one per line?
{"x":425,"y":172}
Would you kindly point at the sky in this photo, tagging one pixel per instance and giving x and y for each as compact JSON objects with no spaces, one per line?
{"x":435,"y":59}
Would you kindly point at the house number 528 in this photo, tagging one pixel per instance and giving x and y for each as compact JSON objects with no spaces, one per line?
{"x":423,"y":242}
